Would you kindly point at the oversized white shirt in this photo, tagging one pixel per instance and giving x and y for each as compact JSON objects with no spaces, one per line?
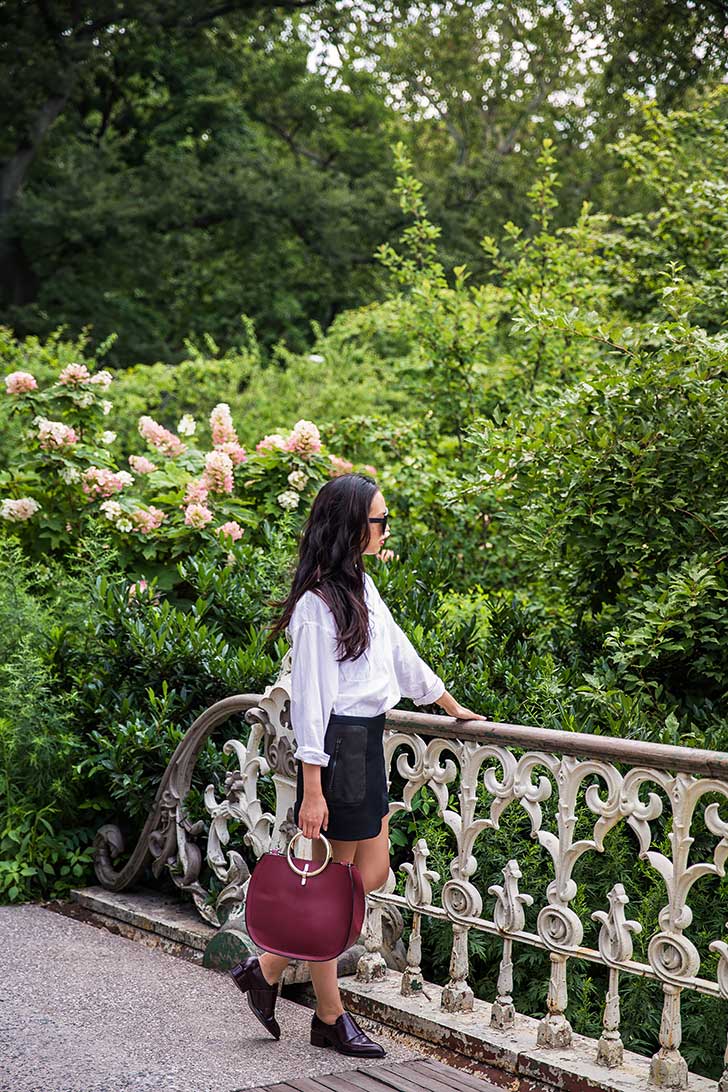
{"x":389,"y":669}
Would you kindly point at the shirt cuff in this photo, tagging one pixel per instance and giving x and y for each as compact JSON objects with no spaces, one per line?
{"x":436,"y":690}
{"x":310,"y":754}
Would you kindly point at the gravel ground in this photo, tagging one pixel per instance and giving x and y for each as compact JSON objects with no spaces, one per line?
{"x":82,"y":1010}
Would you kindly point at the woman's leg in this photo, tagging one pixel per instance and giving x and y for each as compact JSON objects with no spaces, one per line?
{"x":324,"y":975}
{"x":272,"y":966}
{"x":371,"y":856}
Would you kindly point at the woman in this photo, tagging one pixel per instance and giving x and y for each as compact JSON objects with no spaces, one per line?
{"x":350,"y":663}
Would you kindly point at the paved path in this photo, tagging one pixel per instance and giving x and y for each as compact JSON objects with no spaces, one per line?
{"x":82,"y":1010}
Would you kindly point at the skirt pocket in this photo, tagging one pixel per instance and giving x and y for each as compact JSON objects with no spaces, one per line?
{"x":347,"y":778}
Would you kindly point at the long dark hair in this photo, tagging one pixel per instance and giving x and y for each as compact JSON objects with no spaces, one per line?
{"x":330,"y":559}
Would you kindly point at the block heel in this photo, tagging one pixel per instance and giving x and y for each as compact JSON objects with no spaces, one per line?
{"x":317,"y":1039}
{"x":240,"y":977}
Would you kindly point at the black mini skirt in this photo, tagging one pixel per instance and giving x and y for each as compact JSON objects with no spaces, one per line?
{"x":354,"y":782}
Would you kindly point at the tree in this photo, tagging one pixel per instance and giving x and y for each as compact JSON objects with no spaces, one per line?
{"x":482,"y":84}
{"x":194,"y":179}
{"x":53,"y":55}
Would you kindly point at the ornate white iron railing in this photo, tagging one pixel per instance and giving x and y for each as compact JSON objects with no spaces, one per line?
{"x":626,"y":782}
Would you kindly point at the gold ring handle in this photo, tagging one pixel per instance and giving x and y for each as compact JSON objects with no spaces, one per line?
{"x":299,"y":871}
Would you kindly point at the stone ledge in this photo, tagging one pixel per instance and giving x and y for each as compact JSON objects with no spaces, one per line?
{"x":148,"y":910}
{"x":515,"y":1051}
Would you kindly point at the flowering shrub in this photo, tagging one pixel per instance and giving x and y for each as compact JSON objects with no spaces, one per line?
{"x":165,"y":442}
{"x":54,"y":434}
{"x":63,"y":474}
{"x":218,"y":475}
{"x":19,"y":382}
{"x":141,"y":464}
{"x":231,"y":528}
{"x":18,"y":510}
{"x":99,"y":482}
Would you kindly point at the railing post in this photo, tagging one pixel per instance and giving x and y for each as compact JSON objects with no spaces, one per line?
{"x":615,"y":945}
{"x":509,"y":917}
{"x":372,"y":964}
{"x":457,"y":995}
{"x":555,"y":1030}
{"x":418,"y":892}
{"x":412,"y":980}
{"x":502,"y":1012}
{"x":610,"y":1049}
{"x":668,"y":1068}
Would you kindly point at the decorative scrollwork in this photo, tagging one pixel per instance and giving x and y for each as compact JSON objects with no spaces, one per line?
{"x":673,"y":957}
{"x":418,"y":888}
{"x":560,"y":928}
{"x":461,"y":900}
{"x":554,"y":795}
{"x":509,"y":915}
{"x":160,"y":837}
{"x":721,"y":948}
{"x":615,"y":935}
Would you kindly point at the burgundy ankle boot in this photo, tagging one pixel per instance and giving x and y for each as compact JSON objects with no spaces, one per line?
{"x":346,"y":1036}
{"x":249,"y":977}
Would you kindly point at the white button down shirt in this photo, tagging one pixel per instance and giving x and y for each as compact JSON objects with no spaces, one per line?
{"x":389,"y":669}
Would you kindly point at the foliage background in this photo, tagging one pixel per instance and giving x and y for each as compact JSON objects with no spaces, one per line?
{"x":503,"y":287}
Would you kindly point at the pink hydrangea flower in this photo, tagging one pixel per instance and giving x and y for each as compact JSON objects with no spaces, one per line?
{"x":134,"y":589}
{"x":140,"y":586}
{"x":20,"y":382}
{"x":231,"y":528}
{"x":159,"y":437}
{"x":54,"y":434}
{"x":304,"y":438}
{"x":103,"y":378}
{"x":73,"y":374}
{"x":98,"y":481}
{"x":141,"y":464}
{"x":270,"y":442}
{"x":237,"y":453}
{"x":197,"y":516}
{"x":369,"y":469}
{"x":196,"y":491}
{"x":221,"y":423}
{"x":18,"y":510}
{"x":340,"y":466}
{"x":218,"y":474}
{"x":147,"y":520}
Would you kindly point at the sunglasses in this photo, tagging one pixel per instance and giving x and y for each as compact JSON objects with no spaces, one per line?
{"x":380,"y":519}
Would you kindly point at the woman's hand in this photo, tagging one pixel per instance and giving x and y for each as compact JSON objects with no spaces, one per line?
{"x":453,"y":708}
{"x":313,"y":814}
{"x":466,"y":714}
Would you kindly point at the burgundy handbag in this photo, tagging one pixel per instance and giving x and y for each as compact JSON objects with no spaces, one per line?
{"x":304,"y":912}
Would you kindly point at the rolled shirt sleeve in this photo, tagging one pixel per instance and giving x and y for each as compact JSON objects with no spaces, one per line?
{"x":415,"y":678}
{"x":314,"y":687}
